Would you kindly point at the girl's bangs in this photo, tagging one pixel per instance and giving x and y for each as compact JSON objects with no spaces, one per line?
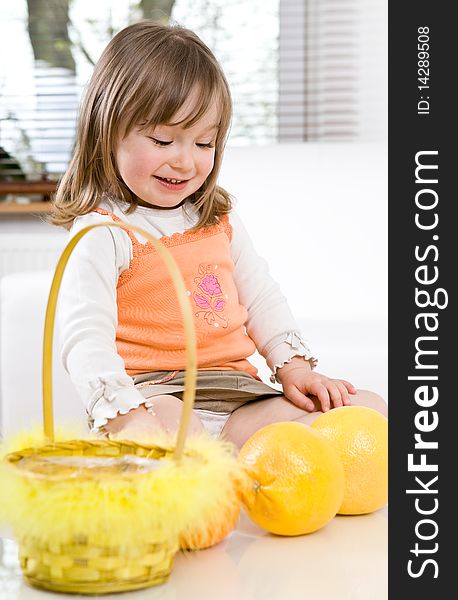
{"x":161,"y":108}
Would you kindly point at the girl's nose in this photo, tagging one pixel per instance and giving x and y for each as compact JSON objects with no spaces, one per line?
{"x":182,"y":159}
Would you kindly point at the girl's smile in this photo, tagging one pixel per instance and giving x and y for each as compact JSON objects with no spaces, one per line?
{"x":172,"y":184}
{"x":165,"y":166}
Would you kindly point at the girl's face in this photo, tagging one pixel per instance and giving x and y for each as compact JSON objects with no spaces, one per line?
{"x":164,"y":166}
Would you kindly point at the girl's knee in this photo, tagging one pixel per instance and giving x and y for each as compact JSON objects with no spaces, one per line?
{"x":195,"y":425}
{"x":164,"y":402}
{"x":245,"y":421}
{"x":371,"y":400}
{"x":168,"y":410}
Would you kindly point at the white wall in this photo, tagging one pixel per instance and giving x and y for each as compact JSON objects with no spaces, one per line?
{"x":318,"y":213}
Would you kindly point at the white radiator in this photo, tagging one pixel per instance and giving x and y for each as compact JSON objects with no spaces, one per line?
{"x":29,"y":252}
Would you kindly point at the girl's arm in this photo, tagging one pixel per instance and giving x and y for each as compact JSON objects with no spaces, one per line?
{"x":87,"y":320}
{"x":270,"y":324}
{"x":274,"y":330}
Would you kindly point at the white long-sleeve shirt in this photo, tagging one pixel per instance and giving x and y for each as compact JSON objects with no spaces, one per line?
{"x":87,"y":312}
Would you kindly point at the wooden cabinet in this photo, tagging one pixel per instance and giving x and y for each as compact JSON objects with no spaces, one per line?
{"x":44,"y":189}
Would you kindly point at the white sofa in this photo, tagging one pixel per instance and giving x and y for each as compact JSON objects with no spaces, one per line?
{"x":23,"y":298}
{"x":317,"y":212}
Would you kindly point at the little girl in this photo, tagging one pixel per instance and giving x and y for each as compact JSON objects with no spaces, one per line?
{"x":151,"y":135}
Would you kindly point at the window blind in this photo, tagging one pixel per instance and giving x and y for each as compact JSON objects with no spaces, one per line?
{"x":299,"y":70}
{"x":332,"y":70}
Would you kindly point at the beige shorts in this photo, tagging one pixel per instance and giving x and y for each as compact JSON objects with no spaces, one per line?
{"x":216,"y":391}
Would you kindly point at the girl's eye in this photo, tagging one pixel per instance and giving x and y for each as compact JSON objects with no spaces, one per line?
{"x":210,"y":145}
{"x":159,"y":142}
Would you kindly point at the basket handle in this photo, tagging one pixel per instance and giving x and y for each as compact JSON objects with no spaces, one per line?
{"x":189,"y":330}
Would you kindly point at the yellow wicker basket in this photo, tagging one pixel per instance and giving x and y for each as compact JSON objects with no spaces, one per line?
{"x":99,"y":516}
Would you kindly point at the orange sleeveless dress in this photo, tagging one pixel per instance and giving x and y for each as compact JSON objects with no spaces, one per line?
{"x":150,"y":333}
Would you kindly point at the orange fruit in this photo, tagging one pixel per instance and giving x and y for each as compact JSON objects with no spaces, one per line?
{"x":360,"y":436}
{"x":297,"y":479}
{"x":217,"y":528}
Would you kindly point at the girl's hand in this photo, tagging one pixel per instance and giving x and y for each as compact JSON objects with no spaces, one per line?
{"x":299,"y":381}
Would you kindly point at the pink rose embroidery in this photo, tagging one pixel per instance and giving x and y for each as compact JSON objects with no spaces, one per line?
{"x":219,"y":305}
{"x":209,"y":284}
{"x":210,"y":317}
{"x":201,"y":301}
{"x":210,"y":297}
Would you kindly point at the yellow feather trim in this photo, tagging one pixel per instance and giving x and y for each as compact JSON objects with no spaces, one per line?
{"x":35,"y":438}
{"x":118,"y":511}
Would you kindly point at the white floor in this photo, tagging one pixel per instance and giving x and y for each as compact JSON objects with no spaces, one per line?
{"x":345,"y":560}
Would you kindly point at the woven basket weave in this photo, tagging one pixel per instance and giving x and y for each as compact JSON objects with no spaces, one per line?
{"x":91,"y":564}
{"x":83,"y":565}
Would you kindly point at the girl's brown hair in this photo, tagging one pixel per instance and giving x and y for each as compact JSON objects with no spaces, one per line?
{"x":144,"y":76}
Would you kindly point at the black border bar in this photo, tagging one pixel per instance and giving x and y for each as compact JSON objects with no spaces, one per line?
{"x":423,"y":231}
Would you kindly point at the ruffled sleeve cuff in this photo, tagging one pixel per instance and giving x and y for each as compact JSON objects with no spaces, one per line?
{"x":283,"y":348}
{"x":110,"y":396}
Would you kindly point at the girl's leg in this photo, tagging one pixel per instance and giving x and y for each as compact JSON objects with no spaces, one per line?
{"x":163,"y":417}
{"x":168,"y":410}
{"x":249,"y":418}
